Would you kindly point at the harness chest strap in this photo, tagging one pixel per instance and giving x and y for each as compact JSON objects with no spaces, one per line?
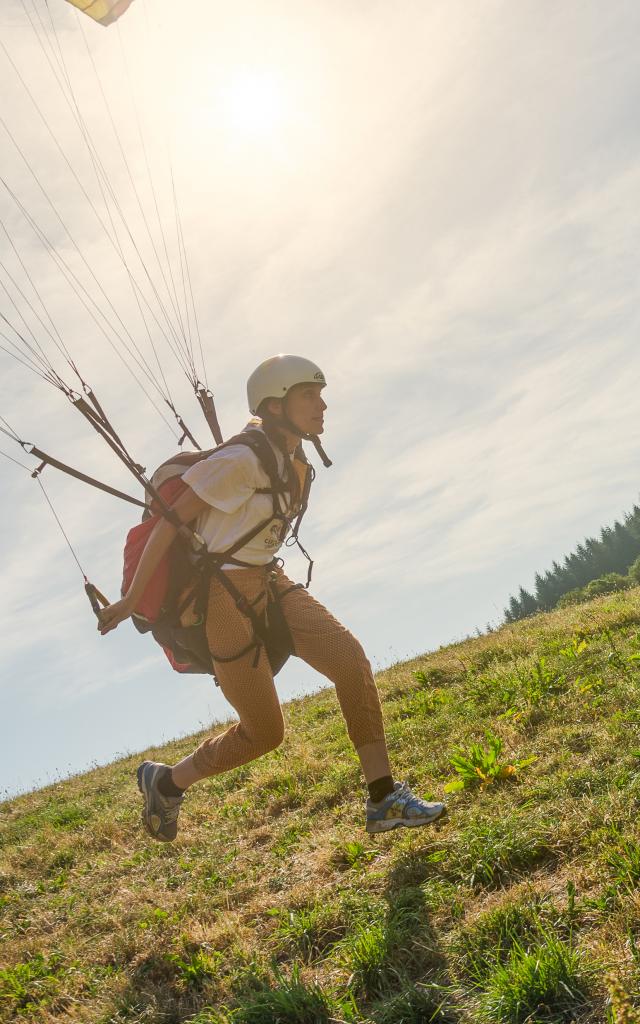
{"x":257,"y":441}
{"x":210,"y":564}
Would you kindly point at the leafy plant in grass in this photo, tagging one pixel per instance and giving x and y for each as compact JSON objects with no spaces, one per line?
{"x":575,"y":649}
{"x":156,"y":917}
{"x":424,"y":702}
{"x":543,"y":682}
{"x":593,"y":686}
{"x":195,"y":969}
{"x":480,"y":766}
{"x":549,"y":982}
{"x":354,"y":854}
{"x":31,"y":984}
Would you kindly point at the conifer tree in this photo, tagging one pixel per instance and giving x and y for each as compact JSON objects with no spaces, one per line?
{"x":624,"y":548}
{"x":539,"y":590}
{"x":514,"y":608}
{"x":572,"y":571}
{"x":597,"y":559}
{"x":547,"y":595}
{"x":616,"y":550}
{"x":528,"y":603}
{"x":632,"y":523}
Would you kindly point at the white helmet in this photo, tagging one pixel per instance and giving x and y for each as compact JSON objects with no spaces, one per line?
{"x":274,"y":377}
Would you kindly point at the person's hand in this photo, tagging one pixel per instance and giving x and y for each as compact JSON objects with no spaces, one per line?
{"x":114,"y":614}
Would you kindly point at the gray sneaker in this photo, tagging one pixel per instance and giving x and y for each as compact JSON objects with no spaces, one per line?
{"x":401,"y":807}
{"x":160,"y":813}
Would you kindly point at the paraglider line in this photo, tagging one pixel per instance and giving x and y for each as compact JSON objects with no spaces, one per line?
{"x":21,"y":464}
{"x":95,"y":161}
{"x":61,"y":263}
{"x":102,"y":179}
{"x":176,"y":307}
{"x":84,"y":577}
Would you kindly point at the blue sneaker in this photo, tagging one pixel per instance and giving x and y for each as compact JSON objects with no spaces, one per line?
{"x":402,"y":807}
{"x":160,"y":813}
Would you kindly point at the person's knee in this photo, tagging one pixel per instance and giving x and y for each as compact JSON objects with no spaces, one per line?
{"x":270,"y":735}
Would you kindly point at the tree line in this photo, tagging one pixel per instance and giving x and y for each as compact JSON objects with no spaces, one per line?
{"x":595,"y":567}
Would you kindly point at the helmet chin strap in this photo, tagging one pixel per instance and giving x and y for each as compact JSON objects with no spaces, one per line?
{"x":315,"y":440}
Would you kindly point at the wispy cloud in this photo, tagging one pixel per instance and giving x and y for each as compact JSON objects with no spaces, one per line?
{"x":455,"y":242}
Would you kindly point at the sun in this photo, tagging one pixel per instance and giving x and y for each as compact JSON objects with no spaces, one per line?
{"x":249,"y":121}
{"x":255,"y":104}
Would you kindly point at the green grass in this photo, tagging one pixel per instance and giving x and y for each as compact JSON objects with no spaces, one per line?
{"x":274,"y":905}
{"x":547,"y":982}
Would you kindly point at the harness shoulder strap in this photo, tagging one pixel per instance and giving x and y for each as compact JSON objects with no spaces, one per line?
{"x":259,"y":444}
{"x":211,"y":565}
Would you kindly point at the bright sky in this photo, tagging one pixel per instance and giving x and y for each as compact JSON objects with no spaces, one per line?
{"x":435,"y":201}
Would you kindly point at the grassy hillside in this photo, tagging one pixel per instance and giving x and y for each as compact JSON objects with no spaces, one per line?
{"x":275,"y":906}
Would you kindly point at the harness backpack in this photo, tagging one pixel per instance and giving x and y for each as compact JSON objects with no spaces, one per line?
{"x":181,"y":580}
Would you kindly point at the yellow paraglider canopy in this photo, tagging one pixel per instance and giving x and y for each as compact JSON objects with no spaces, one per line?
{"x":103,"y":11}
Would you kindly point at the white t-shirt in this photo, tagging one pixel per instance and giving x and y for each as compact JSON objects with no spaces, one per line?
{"x":227,"y":481}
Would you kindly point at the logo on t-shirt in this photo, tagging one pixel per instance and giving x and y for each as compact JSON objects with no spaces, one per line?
{"x":273,"y":540}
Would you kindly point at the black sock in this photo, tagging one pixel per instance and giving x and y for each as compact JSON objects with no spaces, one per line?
{"x":167,"y":786}
{"x":380,"y":788}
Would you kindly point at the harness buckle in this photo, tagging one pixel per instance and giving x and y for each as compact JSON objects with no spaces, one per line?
{"x":274,"y":565}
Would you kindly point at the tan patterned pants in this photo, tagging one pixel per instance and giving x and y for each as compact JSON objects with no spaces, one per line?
{"x":318,"y":639}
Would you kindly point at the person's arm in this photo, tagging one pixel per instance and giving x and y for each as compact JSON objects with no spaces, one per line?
{"x":187,"y":507}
